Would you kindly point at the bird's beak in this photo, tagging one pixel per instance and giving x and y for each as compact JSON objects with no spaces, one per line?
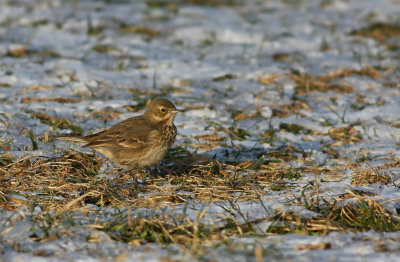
{"x":177,"y":111}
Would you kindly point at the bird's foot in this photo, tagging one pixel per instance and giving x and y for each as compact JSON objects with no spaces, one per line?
{"x":162,"y":170}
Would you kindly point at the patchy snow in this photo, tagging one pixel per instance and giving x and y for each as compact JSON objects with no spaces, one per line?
{"x":207,"y":59}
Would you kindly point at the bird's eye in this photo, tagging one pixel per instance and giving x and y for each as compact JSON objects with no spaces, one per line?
{"x":163,"y":110}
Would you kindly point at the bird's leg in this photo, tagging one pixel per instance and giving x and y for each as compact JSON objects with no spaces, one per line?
{"x":163,"y":168}
{"x":147,"y":170}
{"x":153,"y":171}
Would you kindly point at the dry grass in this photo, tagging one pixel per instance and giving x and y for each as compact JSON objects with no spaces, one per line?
{"x":324,"y":83}
{"x":105,"y":115}
{"x":70,"y":182}
{"x":365,"y":177}
{"x":288,"y":110}
{"x":345,"y":135}
{"x":378,"y":31}
{"x":51,"y":182}
{"x":61,"y":100}
{"x":142,"y":30}
{"x":58,"y":122}
{"x":212,"y":2}
{"x":306,"y":83}
{"x":363,"y":214}
{"x":368,"y":71}
{"x":55,"y":182}
{"x":268,"y":79}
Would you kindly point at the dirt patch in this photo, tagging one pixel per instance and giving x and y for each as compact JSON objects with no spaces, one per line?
{"x":365,"y":177}
{"x":345,"y":134}
{"x":378,"y":31}
{"x":58,"y":122}
{"x":61,"y":100}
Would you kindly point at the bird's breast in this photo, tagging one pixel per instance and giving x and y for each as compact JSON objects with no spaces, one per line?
{"x":170,"y":134}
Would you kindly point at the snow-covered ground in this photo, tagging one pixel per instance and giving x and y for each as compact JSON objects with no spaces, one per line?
{"x":236,"y":65}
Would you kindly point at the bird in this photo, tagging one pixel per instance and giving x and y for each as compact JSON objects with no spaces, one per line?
{"x":137,"y":142}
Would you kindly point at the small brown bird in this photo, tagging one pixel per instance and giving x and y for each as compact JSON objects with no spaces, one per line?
{"x":138,"y":141}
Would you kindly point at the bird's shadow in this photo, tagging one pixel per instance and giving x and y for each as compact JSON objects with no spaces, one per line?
{"x":177,"y":162}
{"x":180,"y":161}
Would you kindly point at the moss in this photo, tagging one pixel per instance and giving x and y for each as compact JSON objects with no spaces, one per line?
{"x":293,"y":128}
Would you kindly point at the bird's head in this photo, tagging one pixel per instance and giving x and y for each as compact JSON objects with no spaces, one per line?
{"x":161,"y":110}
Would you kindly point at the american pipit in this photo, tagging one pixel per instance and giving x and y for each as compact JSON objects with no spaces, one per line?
{"x":136,"y":142}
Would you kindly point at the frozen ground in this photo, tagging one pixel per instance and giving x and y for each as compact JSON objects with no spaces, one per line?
{"x":291,"y":81}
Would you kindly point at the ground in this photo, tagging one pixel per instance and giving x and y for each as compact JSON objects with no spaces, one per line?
{"x":287,"y":148}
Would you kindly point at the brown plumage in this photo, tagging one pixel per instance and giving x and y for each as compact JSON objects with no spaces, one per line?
{"x":139,"y":141}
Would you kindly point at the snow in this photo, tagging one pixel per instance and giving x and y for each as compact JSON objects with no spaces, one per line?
{"x":199,"y":43}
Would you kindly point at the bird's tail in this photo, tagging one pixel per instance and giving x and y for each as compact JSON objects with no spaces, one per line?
{"x":74,"y":139}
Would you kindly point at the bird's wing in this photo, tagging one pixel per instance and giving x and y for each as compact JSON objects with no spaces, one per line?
{"x":130,"y":133}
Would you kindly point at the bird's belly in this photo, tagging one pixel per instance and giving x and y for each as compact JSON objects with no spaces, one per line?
{"x":150,"y":157}
{"x":153,"y":156}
